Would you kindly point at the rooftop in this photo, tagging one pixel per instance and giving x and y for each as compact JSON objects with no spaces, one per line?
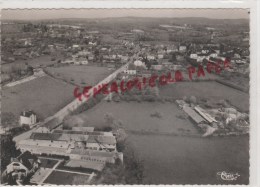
{"x":27,"y":113}
{"x":194,"y":115}
{"x":53,"y":123}
{"x":106,"y":139}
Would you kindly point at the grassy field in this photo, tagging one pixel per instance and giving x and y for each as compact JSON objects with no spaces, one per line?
{"x":174,"y":159}
{"x":36,"y":62}
{"x":48,"y":163}
{"x":208,"y":90}
{"x":63,"y":178}
{"x":137,"y":116}
{"x":84,"y":75}
{"x":187,"y":160}
{"x":43,"y":95}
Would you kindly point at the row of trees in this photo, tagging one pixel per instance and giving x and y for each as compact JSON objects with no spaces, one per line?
{"x":16,"y":73}
{"x":7,"y":150}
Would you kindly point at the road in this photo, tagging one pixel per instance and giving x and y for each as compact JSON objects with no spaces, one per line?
{"x":76,"y":103}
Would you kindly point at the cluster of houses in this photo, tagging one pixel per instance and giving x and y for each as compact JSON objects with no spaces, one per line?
{"x":198,"y":53}
{"x":85,"y":148}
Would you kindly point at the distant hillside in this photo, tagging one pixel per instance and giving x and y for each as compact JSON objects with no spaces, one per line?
{"x":183,"y":20}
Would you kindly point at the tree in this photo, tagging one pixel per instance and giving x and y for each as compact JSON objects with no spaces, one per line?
{"x":109,"y":119}
{"x":80,"y":180}
{"x":8,"y":150}
{"x":173,"y":57}
{"x":29,"y":70}
{"x":113,"y":174}
{"x":129,"y":172}
{"x":121,"y":135}
{"x":185,"y":98}
{"x":193,"y":100}
{"x":8,"y":119}
{"x":72,"y":121}
{"x":134,"y":166}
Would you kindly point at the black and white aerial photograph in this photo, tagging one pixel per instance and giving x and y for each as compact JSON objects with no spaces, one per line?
{"x":125,"y":96}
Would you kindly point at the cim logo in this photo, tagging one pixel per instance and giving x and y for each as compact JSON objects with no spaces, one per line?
{"x":228,"y":176}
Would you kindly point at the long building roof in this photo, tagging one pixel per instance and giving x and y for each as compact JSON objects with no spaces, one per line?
{"x":74,"y":137}
{"x":205,"y":115}
{"x":194,"y":115}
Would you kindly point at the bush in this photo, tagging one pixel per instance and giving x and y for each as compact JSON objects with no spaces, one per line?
{"x":149,"y":98}
{"x":105,"y":129}
{"x":156,"y":114}
{"x":193,"y":100}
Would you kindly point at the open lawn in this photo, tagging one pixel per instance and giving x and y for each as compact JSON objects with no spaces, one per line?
{"x":43,"y":95}
{"x":208,"y":90}
{"x":63,"y":178}
{"x":137,"y":116}
{"x":48,"y":163}
{"x":187,"y":160}
{"x":84,"y":75}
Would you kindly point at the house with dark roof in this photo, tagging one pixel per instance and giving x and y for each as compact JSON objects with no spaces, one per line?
{"x":28,"y":118}
{"x":23,"y":166}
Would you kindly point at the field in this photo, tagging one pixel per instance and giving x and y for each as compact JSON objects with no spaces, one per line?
{"x":208,"y":90}
{"x":174,"y":159}
{"x":187,"y":160}
{"x":137,"y":117}
{"x":179,"y":159}
{"x":84,"y":75}
{"x":48,"y":163}
{"x":36,"y":62}
{"x":63,"y":178}
{"x":43,"y":95}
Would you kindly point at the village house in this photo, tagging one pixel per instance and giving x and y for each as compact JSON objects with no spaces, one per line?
{"x":157,"y":67}
{"x":28,"y":118}
{"x":171,"y":49}
{"x":150,"y":57}
{"x":90,"y":57}
{"x":139,"y":63}
{"x":67,"y":61}
{"x":80,"y":61}
{"x":26,"y":41}
{"x":130,"y":69}
{"x":75,"y":47}
{"x":182,"y":48}
{"x":194,"y":56}
{"x":84,"y":53}
{"x":22,"y":166}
